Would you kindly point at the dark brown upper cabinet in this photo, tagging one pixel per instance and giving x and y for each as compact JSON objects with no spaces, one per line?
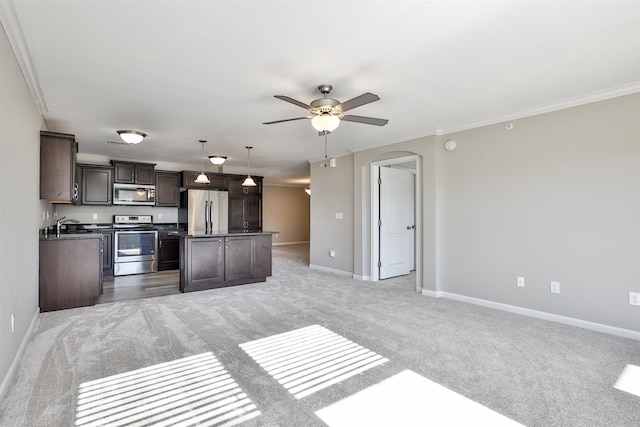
{"x":167,"y":189}
{"x":236,"y":187}
{"x":133,"y":173}
{"x":96,"y":184}
{"x":58,"y":183}
{"x":218,"y":181}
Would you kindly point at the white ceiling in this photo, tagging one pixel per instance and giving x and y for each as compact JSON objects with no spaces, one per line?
{"x":184,"y":70}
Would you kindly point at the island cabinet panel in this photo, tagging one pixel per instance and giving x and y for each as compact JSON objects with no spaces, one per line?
{"x":240,"y":257}
{"x":203,"y":263}
{"x":70,"y":273}
{"x":215,"y":262}
{"x":263,"y":253}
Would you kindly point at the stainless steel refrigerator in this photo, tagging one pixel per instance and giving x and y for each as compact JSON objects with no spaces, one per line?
{"x":205,"y":211}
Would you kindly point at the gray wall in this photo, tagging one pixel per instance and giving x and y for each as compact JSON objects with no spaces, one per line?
{"x":331,"y":193}
{"x":286,"y":210}
{"x":20,"y":208}
{"x":556,"y":198}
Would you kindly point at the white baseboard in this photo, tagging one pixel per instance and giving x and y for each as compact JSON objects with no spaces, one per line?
{"x":18,"y":356}
{"x":331,"y":270}
{"x":598,"y":327}
{"x":363,"y":278}
{"x":290,"y":243}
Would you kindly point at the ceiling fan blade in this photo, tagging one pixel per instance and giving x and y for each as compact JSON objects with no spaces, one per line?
{"x":365,"y":120}
{"x":285,"y":120}
{"x":293,"y":101}
{"x":363,"y":99}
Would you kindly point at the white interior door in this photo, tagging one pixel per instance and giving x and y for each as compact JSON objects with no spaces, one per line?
{"x":396,"y":221}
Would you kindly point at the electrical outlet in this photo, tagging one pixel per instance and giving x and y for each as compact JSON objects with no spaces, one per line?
{"x":554,"y":287}
{"x":634,"y":298}
{"x":332,"y":253}
{"x":159,"y":216}
{"x":95,"y":215}
{"x":13,"y":323}
{"x":520,"y":281}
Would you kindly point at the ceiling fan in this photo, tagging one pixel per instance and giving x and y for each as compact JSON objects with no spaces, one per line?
{"x":326,"y":113}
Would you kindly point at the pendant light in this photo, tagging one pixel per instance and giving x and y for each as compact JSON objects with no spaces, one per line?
{"x":248,"y":181}
{"x":202,"y":178}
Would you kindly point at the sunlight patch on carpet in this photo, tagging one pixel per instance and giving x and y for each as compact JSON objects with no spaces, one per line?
{"x":409,"y":399}
{"x":306,"y":360}
{"x":629,"y":380}
{"x":188,"y":391}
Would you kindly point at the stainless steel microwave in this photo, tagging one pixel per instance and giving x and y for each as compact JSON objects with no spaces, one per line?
{"x":133,"y":194}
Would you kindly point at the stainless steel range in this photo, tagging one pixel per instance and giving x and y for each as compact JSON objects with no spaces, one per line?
{"x":135,"y":245}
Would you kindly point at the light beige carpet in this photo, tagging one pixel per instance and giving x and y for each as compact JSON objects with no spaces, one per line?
{"x":309,"y":348}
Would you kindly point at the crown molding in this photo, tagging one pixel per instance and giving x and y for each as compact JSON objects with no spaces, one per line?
{"x":589,"y":98}
{"x":12,"y":28}
{"x":597,"y":96}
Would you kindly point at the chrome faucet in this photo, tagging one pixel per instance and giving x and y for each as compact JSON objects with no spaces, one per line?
{"x":61,"y":221}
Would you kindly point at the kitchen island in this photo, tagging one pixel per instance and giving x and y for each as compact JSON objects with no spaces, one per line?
{"x":218,"y":259}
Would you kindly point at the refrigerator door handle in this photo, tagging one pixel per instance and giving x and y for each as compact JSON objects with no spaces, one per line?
{"x":206,"y":216}
{"x":211,"y":215}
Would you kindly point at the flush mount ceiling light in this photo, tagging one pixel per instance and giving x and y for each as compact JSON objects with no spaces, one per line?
{"x":202,"y":178}
{"x":217,"y":160}
{"x":248,"y":181}
{"x":131,"y":136}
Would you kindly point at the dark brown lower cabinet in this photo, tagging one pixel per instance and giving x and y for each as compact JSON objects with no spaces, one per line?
{"x":107,"y":253}
{"x":215,"y":262}
{"x":168,"y":251}
{"x":70,"y":273}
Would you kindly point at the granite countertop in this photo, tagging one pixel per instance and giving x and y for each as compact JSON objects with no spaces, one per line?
{"x":71,"y":236}
{"x":202,"y":234}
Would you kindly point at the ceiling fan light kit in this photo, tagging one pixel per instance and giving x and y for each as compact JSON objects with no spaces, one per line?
{"x":131,"y":136}
{"x":325,"y":122}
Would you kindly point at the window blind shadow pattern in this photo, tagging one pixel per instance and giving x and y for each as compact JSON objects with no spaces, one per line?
{"x":309,"y":359}
{"x":193,"y":390}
